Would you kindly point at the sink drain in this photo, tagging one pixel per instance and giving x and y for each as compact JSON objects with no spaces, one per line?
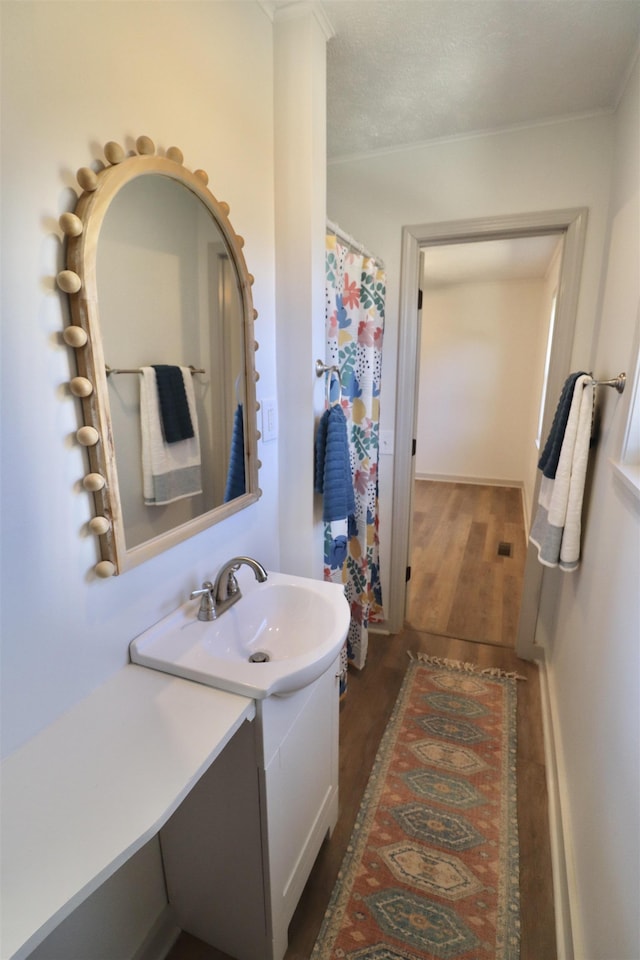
{"x":259,"y":657}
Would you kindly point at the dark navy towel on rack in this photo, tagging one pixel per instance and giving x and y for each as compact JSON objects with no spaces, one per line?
{"x":172,"y":400}
{"x":556,"y":527}
{"x":333,"y":467}
{"x":321,"y":443}
{"x":550,"y":456}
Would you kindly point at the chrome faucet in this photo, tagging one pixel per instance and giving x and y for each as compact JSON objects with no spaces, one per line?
{"x":225,"y":590}
{"x":219,"y":596}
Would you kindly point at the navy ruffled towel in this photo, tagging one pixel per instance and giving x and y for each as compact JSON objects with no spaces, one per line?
{"x":236,"y":485}
{"x":550,"y":456}
{"x":333,"y":476}
{"x":172,"y":399}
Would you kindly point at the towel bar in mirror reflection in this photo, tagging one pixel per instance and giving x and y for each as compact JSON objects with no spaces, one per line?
{"x":154,"y":269}
{"x":109,"y":370}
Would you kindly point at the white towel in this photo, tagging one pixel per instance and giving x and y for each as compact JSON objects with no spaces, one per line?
{"x":557,"y":525}
{"x":170,"y":471}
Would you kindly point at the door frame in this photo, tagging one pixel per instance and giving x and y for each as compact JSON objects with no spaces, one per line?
{"x":571,"y":223}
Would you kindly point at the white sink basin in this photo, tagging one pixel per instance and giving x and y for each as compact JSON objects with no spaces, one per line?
{"x":297,"y":623}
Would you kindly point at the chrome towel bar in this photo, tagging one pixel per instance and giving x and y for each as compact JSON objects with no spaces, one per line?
{"x":329,"y":369}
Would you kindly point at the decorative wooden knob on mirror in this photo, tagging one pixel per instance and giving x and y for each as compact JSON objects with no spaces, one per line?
{"x":87,"y":436}
{"x":68,"y":281}
{"x":70,"y":225}
{"x":93,"y":482}
{"x":81,"y":387}
{"x":87,"y":179}
{"x":114,"y":152}
{"x":99,"y":525}
{"x":75,"y":337}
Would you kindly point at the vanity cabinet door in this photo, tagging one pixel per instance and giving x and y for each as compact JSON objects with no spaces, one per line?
{"x":212,"y":854}
{"x":300,"y":787}
{"x":239,"y":849}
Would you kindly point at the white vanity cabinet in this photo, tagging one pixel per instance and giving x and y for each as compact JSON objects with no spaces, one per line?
{"x":239,"y":849}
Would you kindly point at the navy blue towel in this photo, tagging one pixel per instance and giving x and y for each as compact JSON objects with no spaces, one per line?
{"x":333,"y":466}
{"x":321,"y":442}
{"x":550,"y":456}
{"x":236,"y":486}
{"x":172,"y":400}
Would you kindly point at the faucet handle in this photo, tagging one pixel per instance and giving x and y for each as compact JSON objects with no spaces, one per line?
{"x":206,"y":587}
{"x":207,"y":609}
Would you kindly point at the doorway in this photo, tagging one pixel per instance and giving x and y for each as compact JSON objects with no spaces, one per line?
{"x":571,"y":224}
{"x":487,"y":315}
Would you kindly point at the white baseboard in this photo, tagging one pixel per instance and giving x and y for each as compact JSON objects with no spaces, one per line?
{"x":559,"y":858}
{"x":526,"y":512}
{"x":162,"y":936}
{"x":480,"y":481}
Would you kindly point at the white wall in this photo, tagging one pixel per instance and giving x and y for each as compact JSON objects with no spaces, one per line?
{"x":550,"y":167}
{"x":591,"y":619}
{"x":480,"y":352}
{"x":300,"y":99}
{"x":75,"y":75}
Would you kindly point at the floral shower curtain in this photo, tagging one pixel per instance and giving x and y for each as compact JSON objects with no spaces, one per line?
{"x":355,"y":295}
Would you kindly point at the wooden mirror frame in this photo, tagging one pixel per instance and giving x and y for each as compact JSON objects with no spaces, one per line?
{"x":82,"y":229}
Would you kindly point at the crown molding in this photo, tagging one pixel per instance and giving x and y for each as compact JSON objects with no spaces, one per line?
{"x":280,"y":10}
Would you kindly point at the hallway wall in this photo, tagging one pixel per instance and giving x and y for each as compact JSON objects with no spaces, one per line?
{"x":590,"y":619}
{"x":481,"y":352}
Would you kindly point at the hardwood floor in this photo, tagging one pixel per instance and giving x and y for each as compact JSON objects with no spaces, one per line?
{"x":461,"y":585}
{"x":364,"y":714}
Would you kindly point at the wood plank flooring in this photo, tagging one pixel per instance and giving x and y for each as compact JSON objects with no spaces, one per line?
{"x":460,"y":584}
{"x":364,"y":714}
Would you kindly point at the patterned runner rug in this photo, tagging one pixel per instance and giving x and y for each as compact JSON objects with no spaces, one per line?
{"x":431,"y":870}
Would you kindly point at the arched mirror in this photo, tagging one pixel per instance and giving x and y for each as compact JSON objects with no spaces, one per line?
{"x":162,"y":328}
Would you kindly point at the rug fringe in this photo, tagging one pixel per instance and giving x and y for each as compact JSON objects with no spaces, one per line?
{"x":464,"y":667}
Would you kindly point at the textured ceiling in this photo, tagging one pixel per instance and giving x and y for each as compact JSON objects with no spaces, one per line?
{"x":401,"y":72}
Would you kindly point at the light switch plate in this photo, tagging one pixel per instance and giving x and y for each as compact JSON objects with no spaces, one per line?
{"x":386,"y":441}
{"x":269,"y":419}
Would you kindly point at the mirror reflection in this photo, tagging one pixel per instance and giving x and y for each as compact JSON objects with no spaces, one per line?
{"x":169,"y":297}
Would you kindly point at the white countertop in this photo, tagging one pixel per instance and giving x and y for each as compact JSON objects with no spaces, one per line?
{"x":92,"y":788}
